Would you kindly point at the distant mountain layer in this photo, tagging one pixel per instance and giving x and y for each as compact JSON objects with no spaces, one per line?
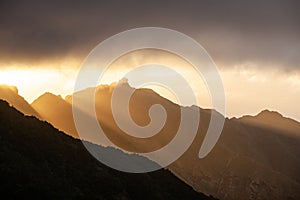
{"x":273,"y":120}
{"x":10,"y":94}
{"x":57,"y":111}
{"x":256,"y":157}
{"x":39,"y":162}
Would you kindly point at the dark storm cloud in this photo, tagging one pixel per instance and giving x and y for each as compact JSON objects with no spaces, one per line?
{"x":233,"y":32}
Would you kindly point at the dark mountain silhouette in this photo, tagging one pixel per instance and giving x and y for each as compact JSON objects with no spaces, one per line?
{"x":255,"y":157}
{"x":10,"y":94}
{"x":39,"y":162}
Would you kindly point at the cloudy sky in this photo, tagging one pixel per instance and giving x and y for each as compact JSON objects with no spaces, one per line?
{"x":255,"y":44}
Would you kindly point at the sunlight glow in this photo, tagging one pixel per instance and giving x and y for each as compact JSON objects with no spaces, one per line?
{"x":248,"y":90}
{"x":31,"y":83}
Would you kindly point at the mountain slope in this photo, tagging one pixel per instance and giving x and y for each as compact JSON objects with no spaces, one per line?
{"x":273,"y":120}
{"x":10,"y":94}
{"x":38,"y":161}
{"x":57,"y":111}
{"x":257,"y":158}
{"x":248,"y":162}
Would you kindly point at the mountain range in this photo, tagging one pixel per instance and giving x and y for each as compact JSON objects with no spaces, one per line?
{"x":256,"y":157}
{"x":40,"y":162}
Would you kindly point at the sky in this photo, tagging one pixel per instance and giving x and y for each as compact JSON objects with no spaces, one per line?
{"x":255,"y":44}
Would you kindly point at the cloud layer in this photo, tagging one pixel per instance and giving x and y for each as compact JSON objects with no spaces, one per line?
{"x":265,"y":33}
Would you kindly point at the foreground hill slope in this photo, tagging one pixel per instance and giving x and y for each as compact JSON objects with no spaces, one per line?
{"x":38,"y":161}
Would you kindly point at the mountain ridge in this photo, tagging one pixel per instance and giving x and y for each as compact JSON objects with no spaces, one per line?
{"x":38,"y":161}
{"x":273,"y":120}
{"x":248,"y":159}
{"x":11,"y":95}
